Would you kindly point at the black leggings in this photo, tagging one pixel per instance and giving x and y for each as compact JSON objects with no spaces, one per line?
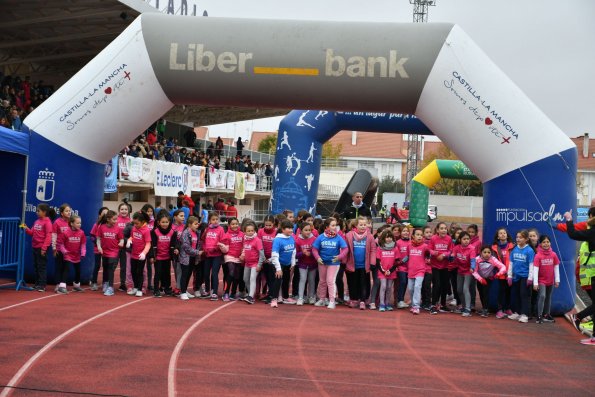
{"x":357,"y":282}
{"x":589,"y":310}
{"x":484,"y":294}
{"x":440,"y":282}
{"x":286,"y":280}
{"x":109,"y":268}
{"x":186,"y":273}
{"x":503,"y":295}
{"x":339,"y":281}
{"x":162,"y":275}
{"x":274,"y":282}
{"x":426,"y":290}
{"x":235,"y":273}
{"x":136,"y":269}
{"x":77,"y":271}
{"x":96,"y":268}
{"x":452,"y":275}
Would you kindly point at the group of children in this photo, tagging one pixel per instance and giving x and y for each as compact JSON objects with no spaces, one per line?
{"x":442,"y":268}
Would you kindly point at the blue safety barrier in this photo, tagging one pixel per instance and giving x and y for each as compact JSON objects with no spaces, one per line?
{"x":12,"y":249}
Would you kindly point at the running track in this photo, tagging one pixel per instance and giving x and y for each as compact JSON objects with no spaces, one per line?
{"x":129,"y":346}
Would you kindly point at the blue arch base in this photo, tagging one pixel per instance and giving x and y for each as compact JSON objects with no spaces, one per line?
{"x":527,"y":198}
{"x":299,"y":150}
{"x":58,"y":176}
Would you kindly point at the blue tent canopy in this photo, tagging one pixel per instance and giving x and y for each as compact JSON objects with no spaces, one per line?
{"x":14,"y":141}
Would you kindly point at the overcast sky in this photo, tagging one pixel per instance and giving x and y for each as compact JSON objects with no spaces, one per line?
{"x":547,"y":47}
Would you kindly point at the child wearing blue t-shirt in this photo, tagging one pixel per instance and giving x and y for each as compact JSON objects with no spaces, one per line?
{"x":521,"y":259}
{"x":329,"y":249}
{"x":283,"y":260}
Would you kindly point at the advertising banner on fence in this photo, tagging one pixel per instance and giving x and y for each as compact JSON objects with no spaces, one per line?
{"x":250,"y":182}
{"x":230,"y":180}
{"x":111,"y":176}
{"x":240,"y":186}
{"x":135,"y":169}
{"x":217,"y":178}
{"x":197,"y":179}
{"x":171,"y":178}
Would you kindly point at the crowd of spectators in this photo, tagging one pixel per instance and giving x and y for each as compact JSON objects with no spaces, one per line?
{"x":153,"y":145}
{"x":18,"y":98}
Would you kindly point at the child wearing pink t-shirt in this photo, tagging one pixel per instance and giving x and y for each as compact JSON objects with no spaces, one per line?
{"x":73,"y":248}
{"x":253,"y":256}
{"x":417,"y":256}
{"x":387,"y":257}
{"x":140,"y":242}
{"x":546,"y":276}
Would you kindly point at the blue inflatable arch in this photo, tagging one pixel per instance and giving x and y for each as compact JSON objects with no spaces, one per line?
{"x":432,"y":71}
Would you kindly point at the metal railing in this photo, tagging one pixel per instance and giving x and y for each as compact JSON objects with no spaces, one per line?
{"x":12,"y":248}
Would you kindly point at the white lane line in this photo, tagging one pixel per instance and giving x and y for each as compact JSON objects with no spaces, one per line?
{"x":23,"y":370}
{"x":173,"y":361}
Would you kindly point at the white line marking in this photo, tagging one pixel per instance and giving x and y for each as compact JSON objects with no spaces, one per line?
{"x":173,"y":361}
{"x":33,"y":300}
{"x":21,"y":372}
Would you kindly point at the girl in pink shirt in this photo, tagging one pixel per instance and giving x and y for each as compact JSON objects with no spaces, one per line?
{"x":546,"y":276}
{"x":110,"y":239}
{"x":485,"y":270}
{"x":73,"y":247}
{"x":213,"y":243}
{"x":416,"y":257}
{"x":59,"y":227}
{"x":306,"y":263}
{"x":123,"y":220}
{"x":96,"y":254}
{"x":266,"y":234}
{"x":164,"y":241}
{"x":426,"y":288}
{"x":41,"y":234}
{"x":462,"y":255}
{"x":233,"y":242}
{"x":403,"y":243}
{"x":387,"y":258}
{"x":253,"y":255}
{"x":140,"y":242}
{"x":148,"y":274}
{"x":440,"y":248}
{"x":179,"y":224}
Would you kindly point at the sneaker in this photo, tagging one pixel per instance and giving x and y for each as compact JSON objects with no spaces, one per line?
{"x":197,"y":294}
{"x":184,"y":296}
{"x":109,"y":292}
{"x":372,"y":306}
{"x":427,"y":308}
{"x":289,"y":301}
{"x":484,"y":313}
{"x":389,"y":308}
{"x":576,"y":322}
{"x":300,"y":302}
{"x":132,"y":291}
{"x":225,"y":298}
{"x":523,"y":319}
{"x":40,"y":288}
{"x":61,"y":290}
{"x":274,"y":303}
{"x":249,"y":300}
{"x":235,"y":297}
{"x":191,"y":295}
{"x":339,"y":301}
{"x":466,"y":313}
{"x":362,"y":305}
{"x":204,"y":295}
{"x":452,"y":302}
{"x":105,"y":286}
{"x":168,"y":292}
{"x":588,"y":341}
{"x":539,"y":320}
{"x":331,"y":305}
{"x":433,"y":310}
{"x":156,"y":293}
{"x":94,"y":287}
{"x":458,"y":310}
{"x":139,"y":293}
{"x":415,"y":310}
{"x":500,"y":314}
{"x":444,"y":309}
{"x":508,"y":312}
{"x":514,"y":316}
{"x":312,"y":300}
{"x":122,"y":288}
{"x":382,"y":308}
{"x":214,"y":297}
{"x":319,"y":303}
{"x":402,"y":305}
{"x":77,"y":287}
{"x":548,"y":319}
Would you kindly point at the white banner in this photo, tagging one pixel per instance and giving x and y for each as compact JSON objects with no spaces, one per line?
{"x":148,"y":171}
{"x":230,"y":180}
{"x":250,"y":182}
{"x":171,"y":178}
{"x":197,"y":179}
{"x":217,"y":178}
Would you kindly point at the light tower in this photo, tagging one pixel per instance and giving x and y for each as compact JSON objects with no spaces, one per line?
{"x":414,"y":143}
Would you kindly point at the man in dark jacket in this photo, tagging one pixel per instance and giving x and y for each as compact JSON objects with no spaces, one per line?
{"x":357,"y":208}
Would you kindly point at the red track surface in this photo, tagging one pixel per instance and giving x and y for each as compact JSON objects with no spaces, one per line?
{"x":126,"y":349}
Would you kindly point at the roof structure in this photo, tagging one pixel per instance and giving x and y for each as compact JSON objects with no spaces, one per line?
{"x":52,"y":40}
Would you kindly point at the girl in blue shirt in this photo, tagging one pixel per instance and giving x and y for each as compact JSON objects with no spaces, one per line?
{"x":283,"y":260}
{"x":521,"y":259}
{"x":329,"y":249}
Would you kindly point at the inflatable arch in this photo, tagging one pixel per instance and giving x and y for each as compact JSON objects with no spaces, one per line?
{"x":433,"y":71}
{"x":426,"y":179}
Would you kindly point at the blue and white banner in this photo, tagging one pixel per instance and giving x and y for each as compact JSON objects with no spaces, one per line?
{"x":171,"y":178}
{"x":111,"y":176}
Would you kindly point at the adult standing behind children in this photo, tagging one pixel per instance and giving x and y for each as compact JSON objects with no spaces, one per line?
{"x":357,"y":208}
